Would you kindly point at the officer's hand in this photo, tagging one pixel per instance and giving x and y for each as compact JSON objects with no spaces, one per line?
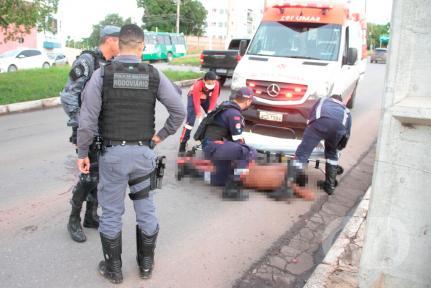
{"x":156,"y":139}
{"x":84,"y":165}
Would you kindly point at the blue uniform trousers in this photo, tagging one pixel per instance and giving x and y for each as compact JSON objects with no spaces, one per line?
{"x":326,"y":129}
{"x":226,"y":157}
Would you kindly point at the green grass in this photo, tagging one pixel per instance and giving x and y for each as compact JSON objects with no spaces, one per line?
{"x":192,"y":61}
{"x":38,"y":84}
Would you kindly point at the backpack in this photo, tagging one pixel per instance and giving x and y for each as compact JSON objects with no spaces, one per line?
{"x":207,"y":121}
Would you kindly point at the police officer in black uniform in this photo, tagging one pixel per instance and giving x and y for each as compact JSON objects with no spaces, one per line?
{"x":86,"y":188}
{"x":120,"y":100}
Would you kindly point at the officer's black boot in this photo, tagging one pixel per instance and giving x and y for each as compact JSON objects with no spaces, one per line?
{"x":145,"y":252}
{"x":182,"y":149}
{"x":74,"y":226}
{"x":233,"y":190}
{"x":330,"y":179}
{"x":91,"y":219}
{"x":110,"y":268}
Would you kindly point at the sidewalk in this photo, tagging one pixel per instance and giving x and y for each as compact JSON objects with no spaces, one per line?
{"x":293,"y":258}
{"x":340,"y":268}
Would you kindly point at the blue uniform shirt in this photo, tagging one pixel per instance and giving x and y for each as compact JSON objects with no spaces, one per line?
{"x":333,"y":109}
{"x":233,"y":120}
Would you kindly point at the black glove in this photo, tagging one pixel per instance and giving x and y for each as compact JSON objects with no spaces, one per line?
{"x":74,"y":137}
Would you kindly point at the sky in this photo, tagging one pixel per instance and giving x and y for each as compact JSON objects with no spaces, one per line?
{"x":79,"y":16}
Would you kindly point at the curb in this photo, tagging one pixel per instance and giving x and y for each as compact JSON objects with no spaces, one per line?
{"x":330,"y":263}
{"x":55,"y":101}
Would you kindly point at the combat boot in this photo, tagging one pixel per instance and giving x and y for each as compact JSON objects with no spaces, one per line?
{"x":74,"y":226}
{"x":110,"y":268}
{"x":233,"y":190}
{"x":145,"y":252}
{"x":91,"y":219}
{"x":182,"y":149}
{"x":330,"y":179}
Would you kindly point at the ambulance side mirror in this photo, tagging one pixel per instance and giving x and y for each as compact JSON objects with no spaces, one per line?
{"x":242,"y":47}
{"x":352,"y":56}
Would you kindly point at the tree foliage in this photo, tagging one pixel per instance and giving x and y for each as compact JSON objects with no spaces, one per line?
{"x":18,"y":17}
{"x":374,"y":33}
{"x":161,"y":15}
{"x":111,"y":19}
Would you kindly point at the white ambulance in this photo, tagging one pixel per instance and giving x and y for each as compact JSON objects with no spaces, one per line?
{"x":301,"y":52}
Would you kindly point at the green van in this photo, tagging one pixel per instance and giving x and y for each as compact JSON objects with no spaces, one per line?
{"x":163,"y":46}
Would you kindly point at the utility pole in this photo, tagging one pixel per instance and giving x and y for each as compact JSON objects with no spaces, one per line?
{"x":178,"y":15}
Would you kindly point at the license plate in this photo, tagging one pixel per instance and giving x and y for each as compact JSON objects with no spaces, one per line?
{"x":221,"y":70}
{"x":271,"y":116}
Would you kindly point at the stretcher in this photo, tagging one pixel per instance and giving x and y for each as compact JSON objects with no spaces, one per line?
{"x":270,"y":150}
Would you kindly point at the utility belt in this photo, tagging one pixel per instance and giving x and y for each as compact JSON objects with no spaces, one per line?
{"x":155,"y":177}
{"x":111,"y":143}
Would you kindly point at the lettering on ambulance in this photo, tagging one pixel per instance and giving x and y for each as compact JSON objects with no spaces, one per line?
{"x":292,"y":18}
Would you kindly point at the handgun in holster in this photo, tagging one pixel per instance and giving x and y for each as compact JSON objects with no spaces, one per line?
{"x":159,"y":172}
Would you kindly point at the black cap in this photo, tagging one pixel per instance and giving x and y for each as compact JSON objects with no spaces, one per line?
{"x":210,"y":76}
{"x":244,"y":92}
{"x":110,"y":30}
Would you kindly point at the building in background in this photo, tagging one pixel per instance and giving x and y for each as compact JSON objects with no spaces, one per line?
{"x":44,"y":40}
{"x":227,"y":19}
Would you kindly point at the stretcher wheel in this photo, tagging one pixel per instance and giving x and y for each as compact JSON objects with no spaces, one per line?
{"x":340,"y":170}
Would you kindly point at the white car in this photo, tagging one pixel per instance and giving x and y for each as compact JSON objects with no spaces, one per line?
{"x":23,"y":58}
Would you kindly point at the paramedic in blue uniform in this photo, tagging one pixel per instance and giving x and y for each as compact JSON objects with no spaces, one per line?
{"x":125,"y":116}
{"x":329,"y":120}
{"x":224,"y":145}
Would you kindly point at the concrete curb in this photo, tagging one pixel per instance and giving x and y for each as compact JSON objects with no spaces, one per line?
{"x":330,"y":263}
{"x":55,"y":101}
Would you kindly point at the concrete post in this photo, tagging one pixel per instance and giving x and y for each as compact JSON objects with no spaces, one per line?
{"x":397,"y":250}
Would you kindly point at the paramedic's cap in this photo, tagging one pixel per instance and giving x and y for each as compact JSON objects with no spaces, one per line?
{"x":210,"y":76}
{"x":110,"y":31}
{"x":244,"y":92}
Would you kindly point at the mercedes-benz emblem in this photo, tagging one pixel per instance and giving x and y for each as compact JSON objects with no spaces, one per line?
{"x":273,"y":90}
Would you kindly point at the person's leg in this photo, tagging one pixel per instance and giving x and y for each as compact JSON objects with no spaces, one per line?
{"x":91,"y":219}
{"x":147,"y":227}
{"x":310,"y":140}
{"x":111,"y":191}
{"x":188,"y":126}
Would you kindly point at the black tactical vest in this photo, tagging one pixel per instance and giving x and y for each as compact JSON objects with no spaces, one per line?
{"x":217,"y":131}
{"x":129,"y":100}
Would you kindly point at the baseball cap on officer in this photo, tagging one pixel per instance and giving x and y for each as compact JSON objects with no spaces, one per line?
{"x":242,"y":93}
{"x":110,"y":31}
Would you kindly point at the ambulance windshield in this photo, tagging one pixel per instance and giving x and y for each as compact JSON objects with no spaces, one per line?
{"x":297,"y":40}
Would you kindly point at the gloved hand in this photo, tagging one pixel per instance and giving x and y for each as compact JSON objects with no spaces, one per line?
{"x":198,"y":120}
{"x":74,"y":137}
{"x":301,"y":178}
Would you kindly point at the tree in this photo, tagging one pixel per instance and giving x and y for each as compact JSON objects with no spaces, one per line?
{"x":18,"y":17}
{"x":374,"y":33}
{"x":161,"y":14}
{"x":111,"y":19}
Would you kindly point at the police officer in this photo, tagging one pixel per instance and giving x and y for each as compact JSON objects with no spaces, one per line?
{"x":86,"y":188}
{"x":329,"y":120}
{"x":204,"y":93}
{"x":224,"y":145}
{"x":125,"y":115}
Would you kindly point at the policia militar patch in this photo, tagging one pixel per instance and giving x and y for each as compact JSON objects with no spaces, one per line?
{"x":131,"y":81}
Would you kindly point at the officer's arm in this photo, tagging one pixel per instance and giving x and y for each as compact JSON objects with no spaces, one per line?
{"x":214,"y":96}
{"x":89,"y":115}
{"x":80,"y":73}
{"x":170,"y":97}
{"x":235,"y":124}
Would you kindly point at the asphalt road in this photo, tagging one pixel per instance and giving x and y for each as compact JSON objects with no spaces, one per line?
{"x":203,"y":242}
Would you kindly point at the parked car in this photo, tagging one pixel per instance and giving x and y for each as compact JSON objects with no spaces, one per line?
{"x":58,"y":59}
{"x":222,"y":62}
{"x":23,"y":58}
{"x":379,"y":55}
